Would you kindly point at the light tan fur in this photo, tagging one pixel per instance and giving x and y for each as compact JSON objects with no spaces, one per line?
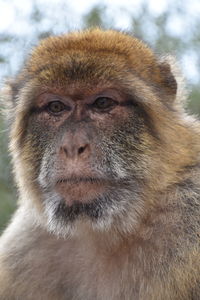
{"x":147,"y":246}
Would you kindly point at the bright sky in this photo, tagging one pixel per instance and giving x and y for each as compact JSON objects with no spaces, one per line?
{"x":13,"y":13}
{"x":8,"y":11}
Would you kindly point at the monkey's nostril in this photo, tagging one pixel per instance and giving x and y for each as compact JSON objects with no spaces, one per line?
{"x":72,"y":151}
{"x":65,"y":150}
{"x":81,"y":149}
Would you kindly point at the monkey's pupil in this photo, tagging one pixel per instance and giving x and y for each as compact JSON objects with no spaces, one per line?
{"x":103,"y":102}
{"x":56,"y":107}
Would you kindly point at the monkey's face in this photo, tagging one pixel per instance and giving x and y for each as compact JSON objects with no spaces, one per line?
{"x":83,"y":138}
{"x":87,"y":154}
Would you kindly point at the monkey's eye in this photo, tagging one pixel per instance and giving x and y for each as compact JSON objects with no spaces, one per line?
{"x":104,"y":103}
{"x":56,"y":107}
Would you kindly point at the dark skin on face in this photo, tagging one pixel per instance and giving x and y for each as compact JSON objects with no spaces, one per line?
{"x":86,"y":113}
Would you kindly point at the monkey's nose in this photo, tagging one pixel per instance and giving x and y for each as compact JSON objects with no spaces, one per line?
{"x":73,"y":151}
{"x":75,"y":145}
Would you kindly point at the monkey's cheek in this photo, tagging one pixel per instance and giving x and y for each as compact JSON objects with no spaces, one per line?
{"x":81,"y":192}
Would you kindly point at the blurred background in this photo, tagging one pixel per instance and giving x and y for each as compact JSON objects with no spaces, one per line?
{"x":168,"y":26}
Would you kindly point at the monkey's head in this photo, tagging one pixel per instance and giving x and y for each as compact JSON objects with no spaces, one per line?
{"x":88,"y":129}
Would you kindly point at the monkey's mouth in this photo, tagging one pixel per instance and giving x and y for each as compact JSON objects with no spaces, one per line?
{"x":81,"y":189}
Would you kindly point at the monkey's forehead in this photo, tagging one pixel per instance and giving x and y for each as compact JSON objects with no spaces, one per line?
{"x":91,"y":53}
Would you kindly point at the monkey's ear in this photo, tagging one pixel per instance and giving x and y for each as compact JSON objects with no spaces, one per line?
{"x":168,"y":80}
{"x":8,"y":99}
{"x":9,"y":93}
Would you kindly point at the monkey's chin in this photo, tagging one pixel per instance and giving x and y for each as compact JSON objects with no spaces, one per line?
{"x":67,"y":213}
{"x":80,"y":191}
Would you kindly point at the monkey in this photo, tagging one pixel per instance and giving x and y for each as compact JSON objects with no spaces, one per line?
{"x":106,"y":160}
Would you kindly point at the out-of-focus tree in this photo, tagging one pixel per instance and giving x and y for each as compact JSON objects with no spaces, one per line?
{"x":95,"y":17}
{"x":7,"y":198}
{"x":171,"y":30}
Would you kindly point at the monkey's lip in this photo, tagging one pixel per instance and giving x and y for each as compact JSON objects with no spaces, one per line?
{"x":81,"y":189}
{"x":77,"y":180}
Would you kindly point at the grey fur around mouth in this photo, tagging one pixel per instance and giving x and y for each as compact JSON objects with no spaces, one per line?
{"x":97,"y":208}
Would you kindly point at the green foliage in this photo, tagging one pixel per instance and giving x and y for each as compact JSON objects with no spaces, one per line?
{"x":193,"y":104}
{"x":7,"y":205}
{"x":2,"y":59}
{"x":95,"y":17}
{"x":7,"y":198}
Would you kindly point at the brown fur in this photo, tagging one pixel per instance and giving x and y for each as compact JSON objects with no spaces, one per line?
{"x":149,"y":247}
